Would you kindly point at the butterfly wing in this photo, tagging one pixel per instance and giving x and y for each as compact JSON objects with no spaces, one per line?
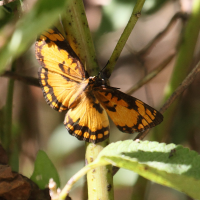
{"x":88,"y":120}
{"x":128,"y":113}
{"x":61,"y":75}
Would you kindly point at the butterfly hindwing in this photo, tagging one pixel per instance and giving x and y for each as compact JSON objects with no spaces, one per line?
{"x":88,"y":121}
{"x":128,"y":113}
{"x":61,"y":73}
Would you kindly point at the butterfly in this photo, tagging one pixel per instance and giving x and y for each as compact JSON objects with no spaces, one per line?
{"x":88,"y":100}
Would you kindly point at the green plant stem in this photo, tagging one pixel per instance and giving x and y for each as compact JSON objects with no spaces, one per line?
{"x":124,"y":37}
{"x":100,"y":179}
{"x":182,"y":65}
{"x":139,"y":189}
{"x":72,"y":180}
{"x":65,"y":191}
{"x":8,"y":115}
{"x":78,"y":35}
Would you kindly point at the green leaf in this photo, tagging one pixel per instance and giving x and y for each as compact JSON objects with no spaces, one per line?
{"x":170,"y":165}
{"x":44,"y":170}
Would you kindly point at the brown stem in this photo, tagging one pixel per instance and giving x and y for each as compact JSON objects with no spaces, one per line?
{"x":184,"y":85}
{"x":145,"y":51}
{"x":151,"y":75}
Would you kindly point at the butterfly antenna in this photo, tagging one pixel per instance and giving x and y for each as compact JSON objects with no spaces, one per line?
{"x":85,"y":66}
{"x":101,"y":70}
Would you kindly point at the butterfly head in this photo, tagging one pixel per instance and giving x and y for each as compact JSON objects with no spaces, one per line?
{"x":99,"y":81}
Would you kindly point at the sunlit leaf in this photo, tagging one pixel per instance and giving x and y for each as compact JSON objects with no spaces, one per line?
{"x":170,"y":165}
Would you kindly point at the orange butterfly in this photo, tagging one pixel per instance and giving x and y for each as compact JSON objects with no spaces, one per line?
{"x":66,"y":86}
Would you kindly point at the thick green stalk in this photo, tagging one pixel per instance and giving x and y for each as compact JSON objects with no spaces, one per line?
{"x":182,"y":65}
{"x":100,"y":179}
{"x":8,"y":116}
{"x":78,"y":35}
{"x":7,"y":135}
{"x":6,"y":138}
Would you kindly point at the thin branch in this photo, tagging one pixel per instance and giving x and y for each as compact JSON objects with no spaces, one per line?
{"x":181,"y":88}
{"x":141,"y":54}
{"x":26,"y":79}
{"x":150,"y":46}
{"x":151,"y":75}
{"x":160,"y":35}
{"x":184,"y":85}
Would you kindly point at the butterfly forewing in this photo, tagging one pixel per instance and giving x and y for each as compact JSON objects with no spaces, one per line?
{"x":128,"y":113}
{"x":61,"y":74}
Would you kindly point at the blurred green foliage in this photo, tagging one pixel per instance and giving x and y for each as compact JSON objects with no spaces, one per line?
{"x":116,"y":14}
{"x":44,"y":170}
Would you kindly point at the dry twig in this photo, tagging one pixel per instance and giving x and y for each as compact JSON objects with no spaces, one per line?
{"x":151,"y":75}
{"x":145,"y":51}
{"x":26,"y":79}
{"x":184,"y":85}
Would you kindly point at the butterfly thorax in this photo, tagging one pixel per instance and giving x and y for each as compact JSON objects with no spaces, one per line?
{"x":85,"y":89}
{"x":95,"y":81}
